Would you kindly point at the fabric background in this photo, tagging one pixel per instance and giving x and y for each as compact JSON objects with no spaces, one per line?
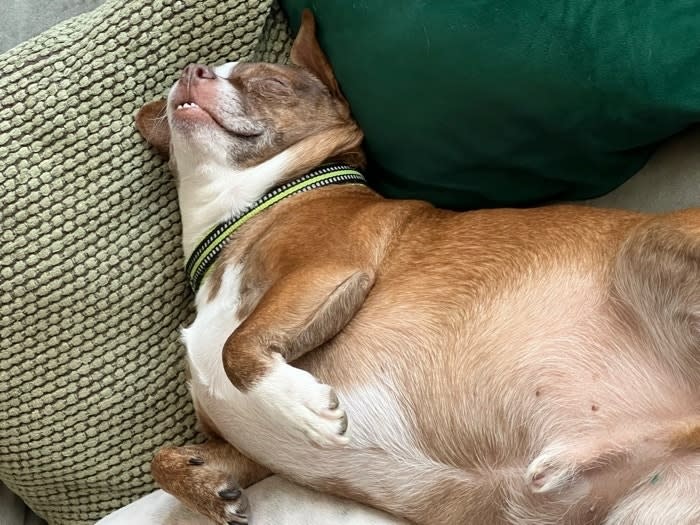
{"x":512,"y":103}
{"x":91,"y":288}
{"x":92,"y":292}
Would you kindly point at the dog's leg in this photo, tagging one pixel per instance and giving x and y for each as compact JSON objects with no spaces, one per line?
{"x":208,"y":479}
{"x":656,"y":290}
{"x":655,"y":304}
{"x":625,"y":453}
{"x":296,"y":315}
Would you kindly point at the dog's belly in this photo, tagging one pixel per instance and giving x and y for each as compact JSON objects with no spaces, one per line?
{"x":453,"y":414}
{"x":544,"y":374}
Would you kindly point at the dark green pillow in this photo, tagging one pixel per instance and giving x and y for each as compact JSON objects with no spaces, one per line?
{"x":472,"y":104}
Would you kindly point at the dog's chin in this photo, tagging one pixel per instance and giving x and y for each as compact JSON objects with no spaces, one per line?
{"x":197,"y":142}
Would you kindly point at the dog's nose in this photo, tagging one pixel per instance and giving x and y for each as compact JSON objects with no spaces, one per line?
{"x":198,"y":72}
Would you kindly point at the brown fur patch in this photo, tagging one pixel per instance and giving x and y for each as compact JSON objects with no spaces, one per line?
{"x":298,"y":313}
{"x":687,"y":438}
{"x":333,"y":132}
{"x":306,"y":52}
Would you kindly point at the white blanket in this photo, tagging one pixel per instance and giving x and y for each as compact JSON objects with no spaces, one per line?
{"x":273,"y":501}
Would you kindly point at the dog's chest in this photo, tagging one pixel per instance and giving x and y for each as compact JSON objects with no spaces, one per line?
{"x":216,"y":320}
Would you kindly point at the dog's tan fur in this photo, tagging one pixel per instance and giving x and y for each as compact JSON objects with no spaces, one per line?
{"x":500,"y":366}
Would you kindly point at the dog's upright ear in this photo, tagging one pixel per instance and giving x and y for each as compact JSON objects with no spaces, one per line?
{"x":152,"y":123}
{"x":306,"y":52}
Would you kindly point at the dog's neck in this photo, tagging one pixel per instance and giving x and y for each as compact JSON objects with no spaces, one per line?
{"x":210,"y":247}
{"x":212,"y":190}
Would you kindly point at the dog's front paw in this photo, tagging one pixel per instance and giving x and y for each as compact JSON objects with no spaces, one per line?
{"x":295,"y":399}
{"x":202,"y":484}
{"x":232,"y":502}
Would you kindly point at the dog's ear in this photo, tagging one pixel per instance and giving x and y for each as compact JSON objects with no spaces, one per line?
{"x":152,"y":123}
{"x":306,"y":52}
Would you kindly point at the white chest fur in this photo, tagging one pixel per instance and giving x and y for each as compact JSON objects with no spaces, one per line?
{"x":230,"y":410}
{"x":215,"y":322}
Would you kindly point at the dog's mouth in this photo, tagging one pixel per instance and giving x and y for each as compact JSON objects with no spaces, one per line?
{"x":197,"y":106}
{"x":188,"y":105}
{"x":191,"y":110}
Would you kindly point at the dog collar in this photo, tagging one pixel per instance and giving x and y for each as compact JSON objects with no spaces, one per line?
{"x":207,"y":251}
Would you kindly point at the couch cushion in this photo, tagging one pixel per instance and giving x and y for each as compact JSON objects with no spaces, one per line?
{"x":92,"y":291}
{"x":472,"y":104}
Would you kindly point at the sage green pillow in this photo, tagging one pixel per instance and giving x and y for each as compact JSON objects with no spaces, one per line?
{"x":92,"y":291}
{"x":472,"y":104}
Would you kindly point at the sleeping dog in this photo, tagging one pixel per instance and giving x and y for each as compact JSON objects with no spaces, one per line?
{"x":502,"y":366}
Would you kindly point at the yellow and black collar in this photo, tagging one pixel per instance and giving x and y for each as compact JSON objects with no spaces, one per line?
{"x":205,"y":254}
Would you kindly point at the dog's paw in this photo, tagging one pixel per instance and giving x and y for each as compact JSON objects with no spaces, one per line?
{"x":560,"y":466}
{"x":565,"y":466}
{"x":230,"y":504}
{"x":294,"y":399}
{"x":550,"y":471}
{"x":202,"y":484}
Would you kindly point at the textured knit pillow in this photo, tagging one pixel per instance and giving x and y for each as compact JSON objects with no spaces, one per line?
{"x":92,"y":291}
{"x":473,"y":104}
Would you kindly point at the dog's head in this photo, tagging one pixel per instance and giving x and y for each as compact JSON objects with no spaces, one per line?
{"x":240,"y":115}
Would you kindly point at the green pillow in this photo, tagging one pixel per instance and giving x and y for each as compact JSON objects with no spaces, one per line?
{"x":472,"y":104}
{"x":92,"y":290}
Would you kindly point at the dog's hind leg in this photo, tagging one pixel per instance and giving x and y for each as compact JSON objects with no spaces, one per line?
{"x":668,"y":494}
{"x":209,"y":478}
{"x":654,"y":310}
{"x":655,"y":290}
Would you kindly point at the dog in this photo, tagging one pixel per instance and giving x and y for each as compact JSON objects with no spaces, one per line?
{"x":499,"y":366}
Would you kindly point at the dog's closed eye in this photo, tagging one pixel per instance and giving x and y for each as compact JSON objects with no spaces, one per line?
{"x":274,"y":86}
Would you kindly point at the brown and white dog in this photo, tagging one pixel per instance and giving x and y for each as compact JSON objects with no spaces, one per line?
{"x":532,"y":366}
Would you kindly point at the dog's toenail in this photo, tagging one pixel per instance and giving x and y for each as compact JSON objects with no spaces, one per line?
{"x":195,"y":461}
{"x":333,"y":403}
{"x":343,"y":424}
{"x":229,"y":494}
